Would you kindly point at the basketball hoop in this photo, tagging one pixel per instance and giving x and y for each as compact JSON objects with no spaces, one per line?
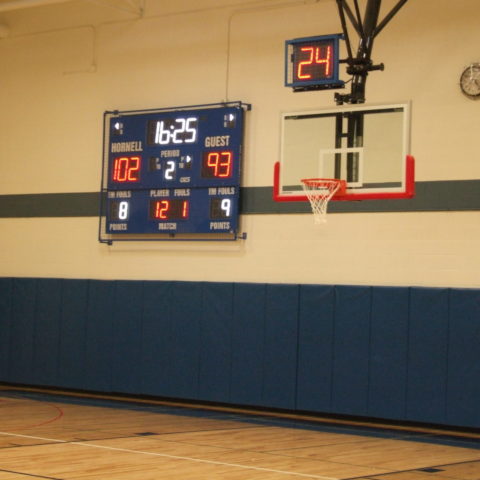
{"x":319,"y":192}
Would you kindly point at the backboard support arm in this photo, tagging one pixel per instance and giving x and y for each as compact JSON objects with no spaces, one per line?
{"x":367,"y":29}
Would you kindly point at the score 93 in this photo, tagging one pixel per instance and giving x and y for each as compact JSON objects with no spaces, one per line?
{"x":217,"y":164}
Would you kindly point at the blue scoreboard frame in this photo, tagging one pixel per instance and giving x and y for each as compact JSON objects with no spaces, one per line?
{"x":172,"y":174}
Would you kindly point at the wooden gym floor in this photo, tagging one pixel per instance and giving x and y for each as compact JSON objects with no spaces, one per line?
{"x":58,"y":436}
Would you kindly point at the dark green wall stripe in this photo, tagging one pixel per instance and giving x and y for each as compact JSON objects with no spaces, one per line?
{"x":456,"y":195}
{"x":50,"y":205}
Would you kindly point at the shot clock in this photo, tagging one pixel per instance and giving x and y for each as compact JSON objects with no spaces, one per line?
{"x":312,"y":63}
{"x":172,"y":173}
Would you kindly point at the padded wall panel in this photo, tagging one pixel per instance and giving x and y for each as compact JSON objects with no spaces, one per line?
{"x":280,"y":356}
{"x":127,"y":336}
{"x":248,"y":332}
{"x":6,"y":287}
{"x":22,"y":331}
{"x":388,"y":352}
{"x":47,"y":331}
{"x":157,"y":348}
{"x":216,"y":342}
{"x":98,"y":341}
{"x":72,"y":344}
{"x":395,"y":353}
{"x":351,"y":350}
{"x":428,"y":353}
{"x":185,"y":310}
{"x":463,"y":394}
{"x":315,"y":347}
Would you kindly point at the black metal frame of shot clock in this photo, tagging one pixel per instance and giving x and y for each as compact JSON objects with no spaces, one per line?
{"x":358,"y":64}
{"x":368,"y":28}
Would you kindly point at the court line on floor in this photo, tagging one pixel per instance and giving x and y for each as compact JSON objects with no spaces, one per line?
{"x":174,"y":457}
{"x":29,"y":475}
{"x":58,"y":416}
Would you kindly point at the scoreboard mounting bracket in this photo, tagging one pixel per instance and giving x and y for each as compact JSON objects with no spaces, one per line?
{"x":172,"y":173}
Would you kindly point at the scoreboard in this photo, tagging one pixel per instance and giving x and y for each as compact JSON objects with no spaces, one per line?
{"x":172,"y":173}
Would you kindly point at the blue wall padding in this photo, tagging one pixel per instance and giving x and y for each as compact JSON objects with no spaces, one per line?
{"x":248,"y":333}
{"x":388,"y":352}
{"x":22,"y":330}
{"x":280,"y":346}
{"x":463,"y":392}
{"x":351,"y":350}
{"x":316,"y":329}
{"x":185,"y":313}
{"x":395,"y":353}
{"x":216,"y":342}
{"x":157,"y":351}
{"x":100,"y":324}
{"x":127,"y":337}
{"x":72,"y":331}
{"x":428,"y":355}
{"x":6,"y":290}
{"x":47,"y":330}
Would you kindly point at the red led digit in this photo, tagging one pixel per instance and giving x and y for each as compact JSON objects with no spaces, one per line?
{"x":134,"y":169}
{"x":212,"y":162}
{"x":301,"y":65}
{"x":220,"y":164}
{"x":325,"y":61}
{"x":126,"y":169}
{"x":173,"y":209}
{"x":185,"y":209}
{"x":315,"y":58}
{"x":161,"y":209}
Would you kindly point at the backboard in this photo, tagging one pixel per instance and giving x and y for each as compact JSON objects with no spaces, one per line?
{"x":367,"y":146}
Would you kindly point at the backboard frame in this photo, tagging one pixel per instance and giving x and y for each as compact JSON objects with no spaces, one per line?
{"x":405,"y":190}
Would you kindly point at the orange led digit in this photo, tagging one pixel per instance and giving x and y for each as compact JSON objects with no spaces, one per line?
{"x":327,"y":61}
{"x":212,"y":162}
{"x":172,"y":209}
{"x":306,"y":68}
{"x":305,"y":63}
{"x":185,"y":209}
{"x":217,"y":164}
{"x":126,"y":169}
{"x":225,"y":164}
{"x":134,"y":169}
{"x":161,"y":209}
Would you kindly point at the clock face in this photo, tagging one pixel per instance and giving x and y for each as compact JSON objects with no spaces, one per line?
{"x":470,"y":81}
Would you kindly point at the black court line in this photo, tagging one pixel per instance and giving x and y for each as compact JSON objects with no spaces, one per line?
{"x":30,"y":475}
{"x":9,"y":447}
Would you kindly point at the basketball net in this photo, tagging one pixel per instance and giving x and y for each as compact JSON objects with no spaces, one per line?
{"x":319,"y":192}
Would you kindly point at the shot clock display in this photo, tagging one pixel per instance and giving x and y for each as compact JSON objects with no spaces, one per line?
{"x":172,"y":172}
{"x":312,"y":63}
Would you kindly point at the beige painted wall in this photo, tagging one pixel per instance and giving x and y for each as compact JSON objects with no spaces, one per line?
{"x":64,"y":64}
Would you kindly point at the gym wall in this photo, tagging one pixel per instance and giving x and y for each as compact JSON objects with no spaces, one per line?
{"x":64,"y":64}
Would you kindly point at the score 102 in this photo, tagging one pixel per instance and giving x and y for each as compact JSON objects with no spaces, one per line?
{"x":215,"y":164}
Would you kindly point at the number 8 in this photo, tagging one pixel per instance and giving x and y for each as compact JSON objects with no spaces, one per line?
{"x":123,"y":210}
